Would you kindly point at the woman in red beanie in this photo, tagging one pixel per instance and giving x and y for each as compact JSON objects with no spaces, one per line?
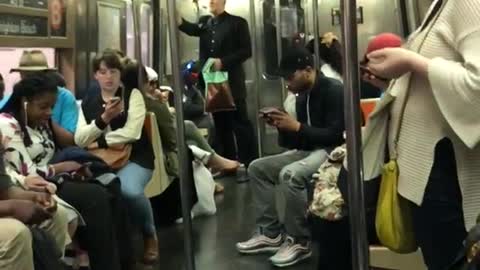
{"x":436,"y":103}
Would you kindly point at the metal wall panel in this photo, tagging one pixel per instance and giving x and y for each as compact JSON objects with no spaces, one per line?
{"x":378,"y":16}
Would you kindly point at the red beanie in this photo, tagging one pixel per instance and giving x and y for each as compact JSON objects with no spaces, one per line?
{"x":385,"y":40}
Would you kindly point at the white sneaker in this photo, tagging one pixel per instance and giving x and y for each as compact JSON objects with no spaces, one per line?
{"x":260,"y":243}
{"x":291,"y":252}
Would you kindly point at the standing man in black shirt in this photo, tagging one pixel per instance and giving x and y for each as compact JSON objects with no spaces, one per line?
{"x":226,"y":38}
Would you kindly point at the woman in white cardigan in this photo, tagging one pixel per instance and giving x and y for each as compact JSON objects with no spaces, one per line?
{"x":438,"y":79}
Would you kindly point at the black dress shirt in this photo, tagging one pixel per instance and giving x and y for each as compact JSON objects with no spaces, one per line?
{"x":226,"y":37}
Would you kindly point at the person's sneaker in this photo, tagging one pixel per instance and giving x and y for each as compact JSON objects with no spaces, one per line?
{"x":260,"y":243}
{"x":291,"y":252}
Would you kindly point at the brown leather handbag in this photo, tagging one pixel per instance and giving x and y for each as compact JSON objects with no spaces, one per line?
{"x":218,"y":93}
{"x":115,"y":156}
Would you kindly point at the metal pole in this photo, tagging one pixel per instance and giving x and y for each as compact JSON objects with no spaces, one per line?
{"x":358,"y":227}
{"x":157,"y":60}
{"x":256,"y":72}
{"x":278,"y":20}
{"x":316,"y":37}
{"x":138,"y":39}
{"x":183,"y":153}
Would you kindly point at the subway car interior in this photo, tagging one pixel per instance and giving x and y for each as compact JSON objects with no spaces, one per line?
{"x":213,"y":134}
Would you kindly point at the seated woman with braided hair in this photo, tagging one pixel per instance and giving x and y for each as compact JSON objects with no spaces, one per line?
{"x":31,"y":140}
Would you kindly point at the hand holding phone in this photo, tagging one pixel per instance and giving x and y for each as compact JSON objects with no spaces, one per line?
{"x":83,"y":172}
{"x":364,"y":71}
{"x":113,"y":108}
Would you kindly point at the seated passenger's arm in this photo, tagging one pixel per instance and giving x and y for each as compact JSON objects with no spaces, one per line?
{"x":63,"y":137}
{"x":88,"y":133}
{"x":134,"y":125}
{"x":69,"y":116}
{"x":5,"y":182}
{"x":5,"y":208}
{"x":8,"y":191}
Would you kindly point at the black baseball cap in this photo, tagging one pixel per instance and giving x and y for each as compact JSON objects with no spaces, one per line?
{"x":296,"y":58}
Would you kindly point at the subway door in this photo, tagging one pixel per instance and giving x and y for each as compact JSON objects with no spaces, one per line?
{"x":279,"y":24}
{"x":373,"y":17}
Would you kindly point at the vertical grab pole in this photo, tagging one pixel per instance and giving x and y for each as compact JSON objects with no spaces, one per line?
{"x":316,"y":34}
{"x":358,"y":228}
{"x":256,"y":70}
{"x":278,"y":21}
{"x":138,"y":39}
{"x":183,"y":153}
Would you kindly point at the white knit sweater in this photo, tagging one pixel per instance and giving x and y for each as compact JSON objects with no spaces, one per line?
{"x":447,"y":104}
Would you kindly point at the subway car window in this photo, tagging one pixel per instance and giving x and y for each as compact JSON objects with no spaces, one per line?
{"x":109,"y":26}
{"x":146,"y":34}
{"x":130,"y":30}
{"x":10,"y":59}
{"x":292,"y":30}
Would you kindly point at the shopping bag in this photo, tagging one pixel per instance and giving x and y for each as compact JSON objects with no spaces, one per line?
{"x":205,"y":187}
{"x":218,"y":93}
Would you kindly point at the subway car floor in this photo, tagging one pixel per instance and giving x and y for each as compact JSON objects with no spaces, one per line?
{"x":215,"y":237}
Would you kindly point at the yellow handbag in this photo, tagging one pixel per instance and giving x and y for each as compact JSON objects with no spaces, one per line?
{"x":393,"y":220}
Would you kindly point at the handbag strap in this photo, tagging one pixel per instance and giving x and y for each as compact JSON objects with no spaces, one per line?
{"x":207,"y":67}
{"x":426,"y":26}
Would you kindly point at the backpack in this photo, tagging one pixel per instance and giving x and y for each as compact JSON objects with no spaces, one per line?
{"x":327,"y":202}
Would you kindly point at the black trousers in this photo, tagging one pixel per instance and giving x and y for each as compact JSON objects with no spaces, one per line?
{"x":439,"y":223}
{"x":234,"y":131}
{"x":333,"y":237}
{"x":104,"y":225}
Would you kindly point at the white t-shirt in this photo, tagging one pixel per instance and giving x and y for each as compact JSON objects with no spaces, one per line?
{"x":328,"y":71}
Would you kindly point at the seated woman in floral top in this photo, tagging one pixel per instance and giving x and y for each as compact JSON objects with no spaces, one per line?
{"x":30,"y":140}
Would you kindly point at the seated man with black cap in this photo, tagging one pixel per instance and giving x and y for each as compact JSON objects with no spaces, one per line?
{"x":316,"y":131}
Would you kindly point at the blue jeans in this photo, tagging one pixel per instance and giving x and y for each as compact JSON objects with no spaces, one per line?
{"x":134,"y":178}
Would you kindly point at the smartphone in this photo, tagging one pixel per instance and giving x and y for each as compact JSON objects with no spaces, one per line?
{"x":365,"y":70}
{"x":114,"y":99}
{"x":268,"y":110}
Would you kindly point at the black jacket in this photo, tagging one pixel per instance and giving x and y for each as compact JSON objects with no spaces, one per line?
{"x":325,"y":101}
{"x":226,"y":37}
